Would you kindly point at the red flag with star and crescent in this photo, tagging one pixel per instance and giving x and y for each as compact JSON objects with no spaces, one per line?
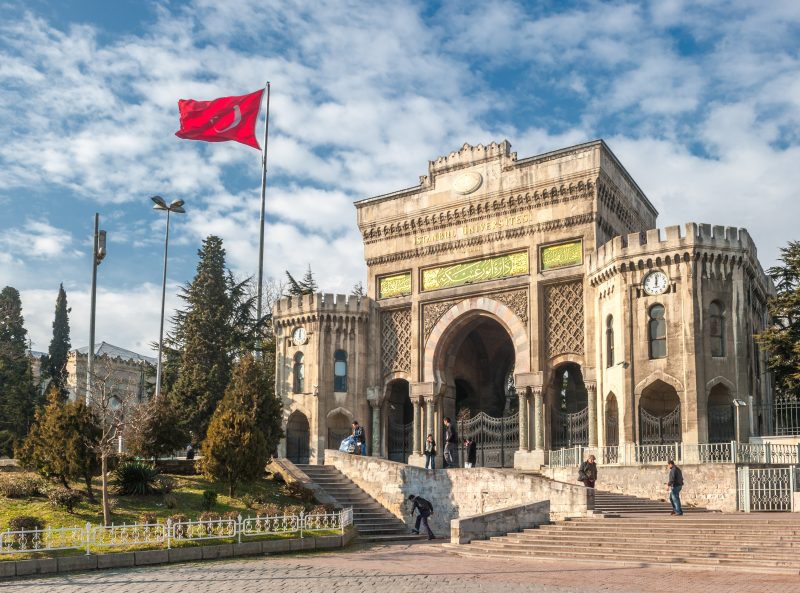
{"x":221,"y":120}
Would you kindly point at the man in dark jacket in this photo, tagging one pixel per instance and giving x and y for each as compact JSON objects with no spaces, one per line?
{"x":674,"y":487}
{"x":361,"y":441}
{"x":588,"y":472}
{"x":450,"y":444}
{"x":471,"y":452}
{"x":424,"y":509}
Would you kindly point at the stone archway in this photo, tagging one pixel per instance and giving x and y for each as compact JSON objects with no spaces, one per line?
{"x":611,"y":436}
{"x":298,"y":437}
{"x":660,"y":414}
{"x":339,"y":426}
{"x":720,"y":414}
{"x":569,"y":407}
{"x":399,"y":420}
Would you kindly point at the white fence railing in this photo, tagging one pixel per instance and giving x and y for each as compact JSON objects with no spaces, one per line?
{"x":169,"y":533}
{"x":633,"y":454}
{"x":766,"y":489}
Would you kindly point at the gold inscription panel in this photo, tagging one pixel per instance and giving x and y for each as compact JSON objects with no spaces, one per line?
{"x":396,"y":285}
{"x":561,"y":255}
{"x":503,"y":266}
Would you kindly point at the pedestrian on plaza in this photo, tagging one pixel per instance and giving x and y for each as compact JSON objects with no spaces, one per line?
{"x":430,"y":453}
{"x":361,"y":441}
{"x":471,"y":452}
{"x":674,"y":487}
{"x":425,"y":510}
{"x":189,"y":452}
{"x":450,"y":443}
{"x":587,"y":473}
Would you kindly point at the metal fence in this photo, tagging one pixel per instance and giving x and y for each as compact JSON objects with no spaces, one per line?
{"x":635,"y":454}
{"x":781,"y":418}
{"x":766,"y":489}
{"x":169,"y":533}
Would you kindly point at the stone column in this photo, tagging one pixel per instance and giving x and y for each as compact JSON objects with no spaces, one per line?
{"x":522,"y":393}
{"x":417,"y":447}
{"x":538,"y":406}
{"x":591,"y":388}
{"x":376,"y":428}
{"x":429,"y":420}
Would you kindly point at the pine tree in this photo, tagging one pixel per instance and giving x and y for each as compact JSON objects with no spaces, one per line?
{"x":308,"y":285}
{"x":242,"y":432}
{"x":56,"y":361}
{"x":782,"y":339}
{"x":17,"y":390}
{"x":204,"y":369}
{"x":358,"y":290}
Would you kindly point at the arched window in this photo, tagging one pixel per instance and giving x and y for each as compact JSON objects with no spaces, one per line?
{"x":609,"y":341}
{"x":657,"y":332}
{"x":716,"y":319}
{"x":340,"y":371}
{"x":299,"y":373}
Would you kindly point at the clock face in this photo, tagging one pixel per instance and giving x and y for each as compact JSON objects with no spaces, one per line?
{"x":299,"y":336}
{"x":655,"y":283}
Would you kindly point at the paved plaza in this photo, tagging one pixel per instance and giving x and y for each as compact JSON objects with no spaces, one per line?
{"x":418,"y":567}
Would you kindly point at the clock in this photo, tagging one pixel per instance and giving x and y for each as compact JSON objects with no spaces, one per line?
{"x":655,"y":283}
{"x":299,"y":336}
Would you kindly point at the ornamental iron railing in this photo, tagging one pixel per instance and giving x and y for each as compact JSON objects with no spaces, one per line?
{"x":496,"y":439}
{"x":660,"y":430}
{"x":766,"y":489}
{"x":400,"y":441}
{"x":166,"y":534}
{"x":781,"y":418}
{"x":570,"y":430}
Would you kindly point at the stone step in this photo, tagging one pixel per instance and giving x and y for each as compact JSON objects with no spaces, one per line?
{"x":689,"y":530}
{"x":641,"y":542}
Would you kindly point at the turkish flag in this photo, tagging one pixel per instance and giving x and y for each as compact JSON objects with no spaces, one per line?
{"x":220,"y":120}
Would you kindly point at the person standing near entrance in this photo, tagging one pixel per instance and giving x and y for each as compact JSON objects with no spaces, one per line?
{"x":588,"y":472}
{"x":430,"y":453}
{"x":471,"y":452}
{"x":674,"y":487}
{"x":425,"y":510}
{"x":450,"y":443}
{"x":361,"y":441}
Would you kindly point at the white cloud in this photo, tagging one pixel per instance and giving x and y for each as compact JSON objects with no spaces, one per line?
{"x":38,"y":240}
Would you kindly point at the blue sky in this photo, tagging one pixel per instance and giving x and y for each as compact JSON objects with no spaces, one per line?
{"x":699,"y":100}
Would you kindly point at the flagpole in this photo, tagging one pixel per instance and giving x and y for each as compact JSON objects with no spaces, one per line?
{"x":261,"y":234}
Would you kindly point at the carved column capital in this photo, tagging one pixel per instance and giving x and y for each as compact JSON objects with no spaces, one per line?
{"x":591,"y":387}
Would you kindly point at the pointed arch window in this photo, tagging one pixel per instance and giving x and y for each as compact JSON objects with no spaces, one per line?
{"x":657,"y":332}
{"x":299,"y":373}
{"x":716,"y":318}
{"x":340,"y":371}
{"x":609,"y":341}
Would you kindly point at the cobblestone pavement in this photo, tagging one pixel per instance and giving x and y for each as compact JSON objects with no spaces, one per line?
{"x":399,"y":569}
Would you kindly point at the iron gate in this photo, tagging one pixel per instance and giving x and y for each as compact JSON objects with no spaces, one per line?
{"x":766,"y":489}
{"x":400,"y":441}
{"x":297,"y":450}
{"x":659,"y":430}
{"x":720,"y":424}
{"x":612,"y":430}
{"x":496,"y":439}
{"x":570,"y":430}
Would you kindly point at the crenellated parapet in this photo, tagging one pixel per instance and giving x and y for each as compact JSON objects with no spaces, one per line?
{"x":320,"y":307}
{"x":468,"y":156}
{"x":719,"y":248}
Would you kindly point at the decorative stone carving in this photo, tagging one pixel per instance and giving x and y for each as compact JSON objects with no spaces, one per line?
{"x":564,"y":318}
{"x":481,"y":270}
{"x":432,"y":313}
{"x":396,"y":341}
{"x":467,"y":182}
{"x":516,"y":300}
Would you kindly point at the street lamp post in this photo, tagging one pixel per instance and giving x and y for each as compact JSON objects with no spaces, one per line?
{"x":98,"y":253}
{"x":177,"y":207}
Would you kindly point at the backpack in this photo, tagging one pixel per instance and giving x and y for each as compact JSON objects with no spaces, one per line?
{"x":582,"y":473}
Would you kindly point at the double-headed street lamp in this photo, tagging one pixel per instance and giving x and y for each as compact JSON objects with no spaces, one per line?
{"x":177,"y":207}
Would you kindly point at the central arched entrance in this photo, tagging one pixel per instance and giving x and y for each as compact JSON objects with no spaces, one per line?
{"x":480,"y":370}
{"x":399,"y":421}
{"x":569,"y":411}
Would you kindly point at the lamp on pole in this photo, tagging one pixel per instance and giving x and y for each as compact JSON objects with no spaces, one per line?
{"x":177,"y":207}
{"x":98,"y":253}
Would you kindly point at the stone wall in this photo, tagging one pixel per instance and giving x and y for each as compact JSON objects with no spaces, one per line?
{"x":511,"y":519}
{"x":458,"y":492}
{"x":708,"y":485}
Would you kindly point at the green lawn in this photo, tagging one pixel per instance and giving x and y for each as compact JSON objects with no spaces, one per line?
{"x":188,"y":495}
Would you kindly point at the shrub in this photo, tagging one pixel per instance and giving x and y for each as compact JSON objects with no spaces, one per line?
{"x":63,"y":498}
{"x":148,"y":518}
{"x":209,"y":499}
{"x":294,"y":509}
{"x":249,"y":501}
{"x":322,"y":509}
{"x":270,"y":510}
{"x":135,"y":477}
{"x":25,"y":523}
{"x":21,"y":485}
{"x":170,"y":501}
{"x":298,"y":491}
{"x":165,"y":484}
{"x":208,"y":516}
{"x":230,"y":516}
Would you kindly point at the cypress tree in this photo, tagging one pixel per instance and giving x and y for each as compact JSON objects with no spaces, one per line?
{"x":56,"y":362}
{"x":17,"y":390}
{"x":245,"y":427}
{"x":205,"y":366}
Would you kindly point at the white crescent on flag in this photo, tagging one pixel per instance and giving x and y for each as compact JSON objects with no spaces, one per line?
{"x":237,"y":119}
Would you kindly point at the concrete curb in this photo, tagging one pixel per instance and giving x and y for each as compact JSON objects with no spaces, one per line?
{"x":41,"y":566}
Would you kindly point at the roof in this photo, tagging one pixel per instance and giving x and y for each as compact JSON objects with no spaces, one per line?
{"x":106,"y":349}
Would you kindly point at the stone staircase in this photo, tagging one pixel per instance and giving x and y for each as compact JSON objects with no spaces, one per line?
{"x":373,"y":521}
{"x":611,"y":503}
{"x":762,"y":543}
